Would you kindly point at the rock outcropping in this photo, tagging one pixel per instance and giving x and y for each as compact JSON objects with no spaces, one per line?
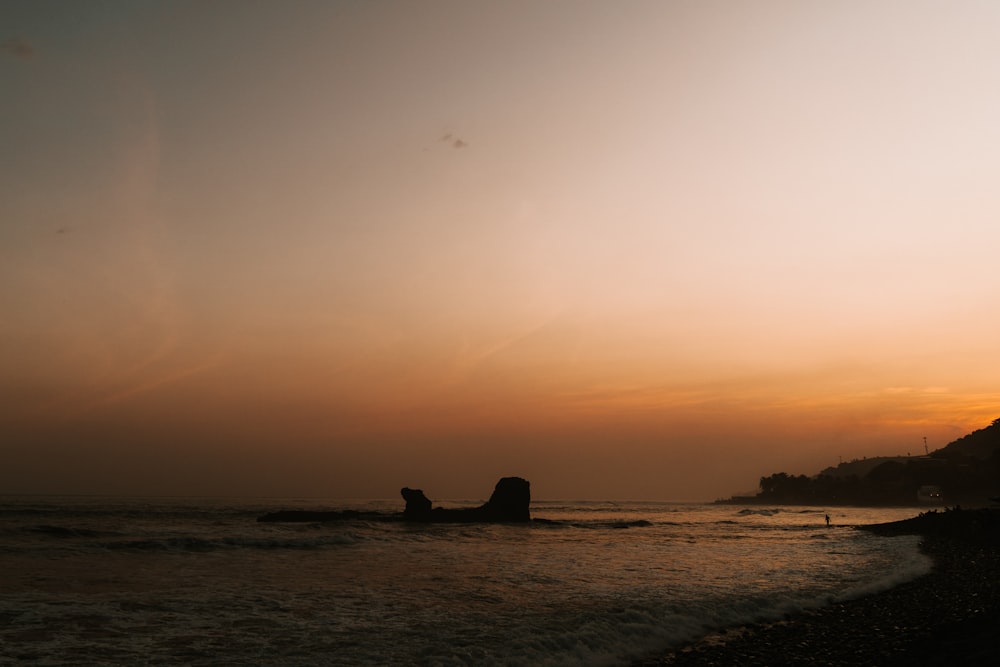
{"x":417,"y":504}
{"x":510,"y":502}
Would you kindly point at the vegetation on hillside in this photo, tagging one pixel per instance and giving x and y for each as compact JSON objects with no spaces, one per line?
{"x":966,"y":471}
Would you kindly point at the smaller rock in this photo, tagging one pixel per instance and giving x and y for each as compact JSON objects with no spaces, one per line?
{"x":418,"y":506}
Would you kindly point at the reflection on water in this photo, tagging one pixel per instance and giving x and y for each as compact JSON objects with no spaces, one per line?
{"x":200,"y":582}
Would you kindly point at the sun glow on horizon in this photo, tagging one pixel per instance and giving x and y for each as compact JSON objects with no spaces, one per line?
{"x":647,"y":246}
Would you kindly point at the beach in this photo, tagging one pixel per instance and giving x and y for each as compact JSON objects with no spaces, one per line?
{"x":948,"y":616}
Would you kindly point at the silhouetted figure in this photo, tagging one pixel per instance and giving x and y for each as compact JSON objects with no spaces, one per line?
{"x":827,"y":520}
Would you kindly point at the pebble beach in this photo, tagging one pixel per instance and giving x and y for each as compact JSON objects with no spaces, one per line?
{"x":949,"y":616}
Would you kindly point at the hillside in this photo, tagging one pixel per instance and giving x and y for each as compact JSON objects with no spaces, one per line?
{"x":981,"y":445}
{"x":964,"y":472}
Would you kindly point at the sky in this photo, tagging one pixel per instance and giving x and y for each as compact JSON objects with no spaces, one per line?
{"x":628,"y":250}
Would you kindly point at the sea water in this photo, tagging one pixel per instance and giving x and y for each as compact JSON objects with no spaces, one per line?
{"x":194,"y":581}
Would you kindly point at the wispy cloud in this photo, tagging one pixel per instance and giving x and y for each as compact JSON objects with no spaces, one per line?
{"x":453,"y":141}
{"x":17,"y":47}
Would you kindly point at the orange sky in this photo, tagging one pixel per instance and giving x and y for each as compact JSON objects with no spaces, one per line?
{"x":625,"y":250}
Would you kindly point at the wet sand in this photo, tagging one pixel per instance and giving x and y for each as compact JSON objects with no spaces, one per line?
{"x":949,"y":616}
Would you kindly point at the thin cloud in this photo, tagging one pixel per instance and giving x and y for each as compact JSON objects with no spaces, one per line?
{"x":455,"y":142}
{"x":19,"y":48}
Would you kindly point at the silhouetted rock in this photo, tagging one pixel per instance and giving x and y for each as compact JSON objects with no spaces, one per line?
{"x":510,"y":502}
{"x":417,"y":504}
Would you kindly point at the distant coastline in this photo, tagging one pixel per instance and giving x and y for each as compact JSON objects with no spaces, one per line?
{"x":965,"y":472}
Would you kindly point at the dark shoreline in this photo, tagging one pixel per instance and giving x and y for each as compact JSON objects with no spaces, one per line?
{"x":949,"y":616}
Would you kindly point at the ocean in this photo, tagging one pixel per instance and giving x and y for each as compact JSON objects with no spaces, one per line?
{"x":166,"y":581}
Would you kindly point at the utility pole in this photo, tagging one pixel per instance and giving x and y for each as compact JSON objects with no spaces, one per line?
{"x":925,"y":446}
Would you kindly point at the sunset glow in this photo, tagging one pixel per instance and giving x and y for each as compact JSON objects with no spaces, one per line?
{"x":624,"y":250}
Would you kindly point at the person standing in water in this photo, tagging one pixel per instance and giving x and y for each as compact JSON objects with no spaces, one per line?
{"x":827,"y":520}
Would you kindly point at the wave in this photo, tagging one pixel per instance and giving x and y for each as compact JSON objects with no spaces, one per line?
{"x":760,"y":512}
{"x":909,"y":563}
{"x":197,"y":544}
{"x":62,"y":531}
{"x":637,"y":523}
{"x":602,"y":525}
